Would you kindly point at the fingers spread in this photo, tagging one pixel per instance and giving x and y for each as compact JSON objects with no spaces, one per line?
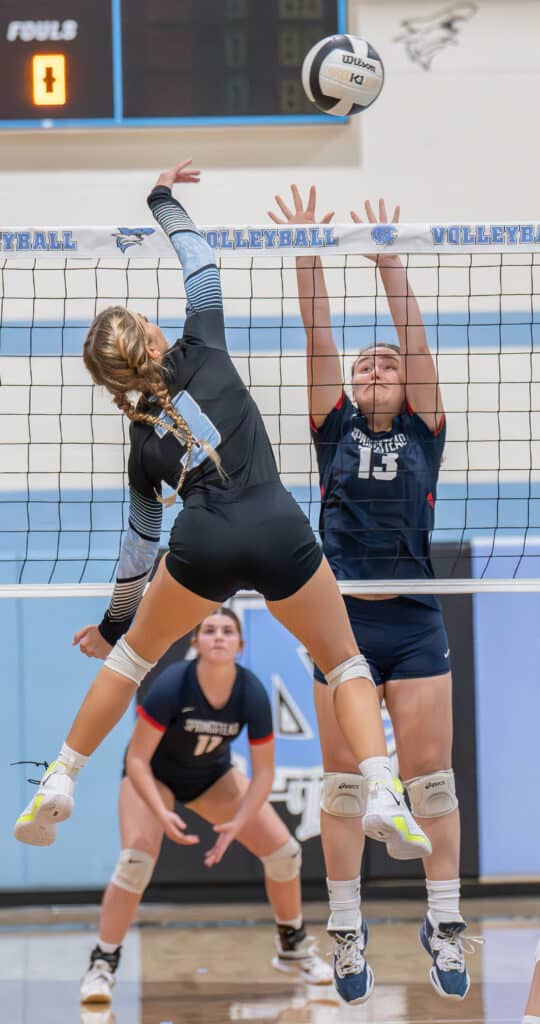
{"x":369,"y":212}
{"x":297,"y":199}
{"x":284,"y":209}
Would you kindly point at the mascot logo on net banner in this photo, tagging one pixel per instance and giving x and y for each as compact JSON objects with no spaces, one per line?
{"x":384,"y":234}
{"x":126,"y":237}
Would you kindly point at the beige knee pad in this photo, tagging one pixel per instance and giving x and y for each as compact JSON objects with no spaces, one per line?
{"x":284,"y":864}
{"x":134,"y":870}
{"x":354,"y":668}
{"x":344,"y":794}
{"x":126,"y":662}
{"x":432,"y":795}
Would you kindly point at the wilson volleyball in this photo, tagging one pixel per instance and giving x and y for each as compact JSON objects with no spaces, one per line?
{"x":342,"y":75}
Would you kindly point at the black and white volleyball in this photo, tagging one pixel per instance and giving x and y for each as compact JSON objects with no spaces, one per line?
{"x":342,"y":75}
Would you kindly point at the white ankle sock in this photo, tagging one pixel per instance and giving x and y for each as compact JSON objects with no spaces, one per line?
{"x":107,"y":947}
{"x":443,"y":900}
{"x":344,"y":900}
{"x":376,"y":767}
{"x":71,"y":759}
{"x":295,"y":922}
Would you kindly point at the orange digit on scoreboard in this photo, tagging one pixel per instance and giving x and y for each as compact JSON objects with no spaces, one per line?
{"x":49,"y":79}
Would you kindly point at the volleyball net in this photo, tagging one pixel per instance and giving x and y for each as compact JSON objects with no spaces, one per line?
{"x":63,"y":444}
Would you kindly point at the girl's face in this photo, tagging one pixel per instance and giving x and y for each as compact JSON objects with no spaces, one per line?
{"x":378,"y":381}
{"x":218,"y":640}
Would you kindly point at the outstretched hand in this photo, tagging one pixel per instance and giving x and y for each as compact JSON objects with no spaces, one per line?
{"x":91,"y":642}
{"x":373,"y":219}
{"x":174,"y":829}
{"x":304,"y":213}
{"x":181,"y":174}
{"x":227,"y":832}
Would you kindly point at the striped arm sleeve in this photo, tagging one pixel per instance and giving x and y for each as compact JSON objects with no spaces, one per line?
{"x":137,"y":557}
{"x":197,"y":258}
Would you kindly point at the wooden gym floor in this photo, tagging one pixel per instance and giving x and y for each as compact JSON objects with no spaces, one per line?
{"x":211,"y":964}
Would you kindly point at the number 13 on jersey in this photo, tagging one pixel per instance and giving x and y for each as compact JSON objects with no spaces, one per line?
{"x":379,"y":467}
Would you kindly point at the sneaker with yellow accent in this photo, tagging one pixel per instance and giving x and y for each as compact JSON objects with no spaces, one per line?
{"x":52,"y":803}
{"x":388,"y":819}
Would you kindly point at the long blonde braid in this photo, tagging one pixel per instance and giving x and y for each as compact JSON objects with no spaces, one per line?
{"x":115,"y":353}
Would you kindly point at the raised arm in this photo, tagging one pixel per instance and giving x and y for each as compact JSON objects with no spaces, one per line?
{"x":197,"y":258}
{"x":421,"y":379}
{"x":324,"y":374}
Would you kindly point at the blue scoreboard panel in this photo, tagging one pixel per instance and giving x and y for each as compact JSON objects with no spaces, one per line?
{"x":94,"y":63}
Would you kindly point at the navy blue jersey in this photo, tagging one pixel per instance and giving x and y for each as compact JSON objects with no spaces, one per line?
{"x":378,"y":494}
{"x":197,"y":735}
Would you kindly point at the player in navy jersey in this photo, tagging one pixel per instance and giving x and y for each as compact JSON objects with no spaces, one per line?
{"x":379,"y":456}
{"x":196,"y":427}
{"x":181,"y":750}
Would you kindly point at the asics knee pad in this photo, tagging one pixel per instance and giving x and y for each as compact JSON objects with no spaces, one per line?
{"x":432,"y":795}
{"x":284,"y":864}
{"x":134,"y":870}
{"x":126,"y":662}
{"x":353,"y":668}
{"x":343,"y":794}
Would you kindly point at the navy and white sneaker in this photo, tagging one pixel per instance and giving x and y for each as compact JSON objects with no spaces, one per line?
{"x":353,"y":977}
{"x":448,"y":973}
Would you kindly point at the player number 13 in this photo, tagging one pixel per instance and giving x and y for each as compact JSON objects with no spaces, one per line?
{"x":387,"y":470}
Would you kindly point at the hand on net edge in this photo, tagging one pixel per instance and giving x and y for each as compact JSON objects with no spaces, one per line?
{"x":304,"y":213}
{"x":379,"y":258}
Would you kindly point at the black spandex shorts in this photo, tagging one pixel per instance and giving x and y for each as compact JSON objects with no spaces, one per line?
{"x":185,"y":784}
{"x":251,"y":538}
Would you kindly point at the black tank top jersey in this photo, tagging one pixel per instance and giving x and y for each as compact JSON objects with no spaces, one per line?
{"x":209,"y":394}
{"x":197,"y":735}
{"x":378,"y":494}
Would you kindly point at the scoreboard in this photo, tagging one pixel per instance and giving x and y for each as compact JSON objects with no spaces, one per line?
{"x":95,"y":63}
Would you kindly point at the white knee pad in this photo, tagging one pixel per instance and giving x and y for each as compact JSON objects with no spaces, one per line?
{"x":344,"y":794}
{"x":353,"y":668}
{"x":433,"y":795}
{"x":122,"y":659}
{"x":284,"y":864}
{"x":537,"y":952}
{"x":134,"y":870}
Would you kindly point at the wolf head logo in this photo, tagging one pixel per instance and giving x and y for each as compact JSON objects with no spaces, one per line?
{"x":131,"y":236}
{"x":425,"y":36}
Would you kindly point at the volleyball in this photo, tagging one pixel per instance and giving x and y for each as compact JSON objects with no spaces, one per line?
{"x":342,"y":75}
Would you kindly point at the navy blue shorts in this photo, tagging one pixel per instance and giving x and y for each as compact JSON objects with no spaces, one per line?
{"x":186,"y":785}
{"x":401,"y":638}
